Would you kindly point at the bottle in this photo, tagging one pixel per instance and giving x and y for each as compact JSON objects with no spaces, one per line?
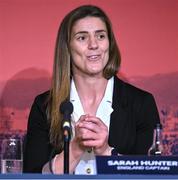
{"x":156,"y":149}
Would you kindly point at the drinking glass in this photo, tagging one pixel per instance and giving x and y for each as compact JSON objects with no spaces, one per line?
{"x":11,"y":156}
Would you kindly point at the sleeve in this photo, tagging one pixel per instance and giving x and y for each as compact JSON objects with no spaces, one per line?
{"x":37,"y":148}
{"x":148,"y":117}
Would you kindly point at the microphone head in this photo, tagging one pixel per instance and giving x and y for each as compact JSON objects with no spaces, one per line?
{"x":66,"y":107}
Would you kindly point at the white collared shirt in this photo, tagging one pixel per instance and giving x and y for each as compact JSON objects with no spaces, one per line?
{"x":87,"y":164}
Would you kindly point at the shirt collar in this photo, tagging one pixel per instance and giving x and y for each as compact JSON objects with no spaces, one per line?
{"x":109,"y":91}
{"x":73,"y":92}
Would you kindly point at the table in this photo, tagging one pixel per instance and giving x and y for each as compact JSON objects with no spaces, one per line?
{"x":86,"y":177}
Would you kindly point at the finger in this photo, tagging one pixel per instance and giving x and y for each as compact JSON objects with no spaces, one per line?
{"x":89,"y":143}
{"x":84,"y":133}
{"x":81,"y":119}
{"x":94,"y":124}
{"x":88,"y":125}
{"x":88,"y":135}
{"x":94,"y":120}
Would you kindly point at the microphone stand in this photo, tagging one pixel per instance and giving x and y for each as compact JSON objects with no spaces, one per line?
{"x":66,"y":108}
{"x":66,"y":150}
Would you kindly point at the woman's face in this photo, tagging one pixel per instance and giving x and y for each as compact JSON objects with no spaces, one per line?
{"x":89,"y":47}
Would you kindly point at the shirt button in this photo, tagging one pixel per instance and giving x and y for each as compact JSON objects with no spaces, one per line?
{"x":89,"y":150}
{"x":88,"y":170}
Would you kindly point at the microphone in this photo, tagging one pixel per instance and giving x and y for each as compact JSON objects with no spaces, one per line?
{"x":66,"y":108}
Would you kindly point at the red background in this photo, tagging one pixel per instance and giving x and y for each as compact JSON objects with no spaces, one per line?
{"x":147,"y":35}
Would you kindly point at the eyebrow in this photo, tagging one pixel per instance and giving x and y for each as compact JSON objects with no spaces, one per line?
{"x":86,"y":32}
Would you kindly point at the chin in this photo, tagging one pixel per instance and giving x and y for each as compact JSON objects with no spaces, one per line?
{"x":95,"y":73}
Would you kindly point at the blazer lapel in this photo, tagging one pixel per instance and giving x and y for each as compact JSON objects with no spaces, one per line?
{"x":119,"y":115}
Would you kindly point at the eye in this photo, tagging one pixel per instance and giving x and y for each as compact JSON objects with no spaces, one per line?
{"x":82,"y":38}
{"x":101,"y":36}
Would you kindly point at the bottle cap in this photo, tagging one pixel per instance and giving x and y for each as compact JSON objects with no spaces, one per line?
{"x":158,"y":126}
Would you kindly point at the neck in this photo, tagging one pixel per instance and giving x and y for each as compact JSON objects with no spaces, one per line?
{"x":90,"y":86}
{"x":91,"y":91}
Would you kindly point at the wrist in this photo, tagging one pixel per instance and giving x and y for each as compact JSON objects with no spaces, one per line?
{"x":75,"y":149}
{"x":54,"y":164}
{"x":108,"y":151}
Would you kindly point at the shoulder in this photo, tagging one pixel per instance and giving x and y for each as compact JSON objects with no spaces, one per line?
{"x":41,"y":100}
{"x":135,"y":100}
{"x":126,"y":88}
{"x":126,"y":93}
{"x":42,"y":97}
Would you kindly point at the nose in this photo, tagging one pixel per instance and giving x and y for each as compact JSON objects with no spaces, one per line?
{"x":92,"y":43}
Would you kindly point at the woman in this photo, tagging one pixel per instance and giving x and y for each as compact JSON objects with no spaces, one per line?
{"x":108,"y":113}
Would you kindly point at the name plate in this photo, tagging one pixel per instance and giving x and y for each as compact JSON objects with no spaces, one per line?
{"x":137,"y":164}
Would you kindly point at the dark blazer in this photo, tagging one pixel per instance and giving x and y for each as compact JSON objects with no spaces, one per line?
{"x":131,"y":126}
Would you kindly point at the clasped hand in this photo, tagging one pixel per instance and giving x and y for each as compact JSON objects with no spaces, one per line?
{"x":91,"y":132}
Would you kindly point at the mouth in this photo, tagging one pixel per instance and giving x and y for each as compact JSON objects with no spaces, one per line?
{"x":93,"y":57}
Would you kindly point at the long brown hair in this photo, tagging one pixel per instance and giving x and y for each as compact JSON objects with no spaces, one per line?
{"x":60,"y":90}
